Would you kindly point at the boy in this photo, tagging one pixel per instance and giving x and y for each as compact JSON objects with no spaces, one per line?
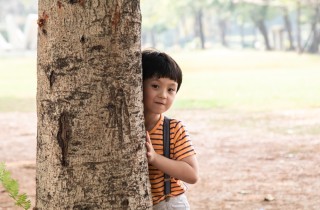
{"x":162,"y":78}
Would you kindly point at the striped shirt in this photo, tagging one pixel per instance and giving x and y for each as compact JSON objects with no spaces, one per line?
{"x":180,"y":147}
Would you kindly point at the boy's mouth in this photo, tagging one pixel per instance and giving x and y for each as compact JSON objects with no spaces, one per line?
{"x":160,"y":103}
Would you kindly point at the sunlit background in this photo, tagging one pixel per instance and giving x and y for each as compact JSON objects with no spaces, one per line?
{"x":250,"y":95}
{"x":234,"y":54}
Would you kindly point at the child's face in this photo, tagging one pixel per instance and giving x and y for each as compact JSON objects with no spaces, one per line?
{"x":158,"y":95}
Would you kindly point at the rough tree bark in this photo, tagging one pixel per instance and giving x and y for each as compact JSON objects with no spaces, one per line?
{"x":90,"y":143}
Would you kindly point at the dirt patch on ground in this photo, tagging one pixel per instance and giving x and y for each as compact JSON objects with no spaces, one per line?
{"x":248,"y":160}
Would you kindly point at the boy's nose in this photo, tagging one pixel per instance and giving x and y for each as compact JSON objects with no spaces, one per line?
{"x":163,"y":94}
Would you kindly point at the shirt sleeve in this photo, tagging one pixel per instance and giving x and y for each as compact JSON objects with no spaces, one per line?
{"x":182,"y":143}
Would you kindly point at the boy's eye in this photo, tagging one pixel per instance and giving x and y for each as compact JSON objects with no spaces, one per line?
{"x":155,"y":86}
{"x":171,"y":90}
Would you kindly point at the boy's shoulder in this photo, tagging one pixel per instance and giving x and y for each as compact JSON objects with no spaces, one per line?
{"x":174,"y":121}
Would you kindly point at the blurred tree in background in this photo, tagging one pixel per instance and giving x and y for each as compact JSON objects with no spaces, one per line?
{"x":261,"y":24}
{"x":18,"y":25}
{"x":17,"y":7}
{"x":284,"y":25}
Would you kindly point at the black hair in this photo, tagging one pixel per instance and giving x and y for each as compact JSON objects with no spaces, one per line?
{"x":160,"y":65}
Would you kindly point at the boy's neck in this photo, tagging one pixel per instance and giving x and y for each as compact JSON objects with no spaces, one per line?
{"x":151,"y":120}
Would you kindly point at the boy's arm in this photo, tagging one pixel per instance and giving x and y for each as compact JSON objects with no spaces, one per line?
{"x":185,"y":169}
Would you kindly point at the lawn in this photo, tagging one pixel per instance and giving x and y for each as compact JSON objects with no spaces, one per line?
{"x":17,"y":84}
{"x":249,"y":80}
{"x":245,"y":80}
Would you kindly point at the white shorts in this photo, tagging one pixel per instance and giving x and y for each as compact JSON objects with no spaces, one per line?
{"x":179,"y":202}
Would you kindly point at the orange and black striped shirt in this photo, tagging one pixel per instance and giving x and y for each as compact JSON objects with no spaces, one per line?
{"x":180,"y":147}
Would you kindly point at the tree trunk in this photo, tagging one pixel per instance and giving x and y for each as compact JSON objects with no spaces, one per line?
{"x":299,"y":46}
{"x":223,"y":31}
{"x":314,"y":37}
{"x":199,"y":26}
{"x":263,"y":30}
{"x":90,"y":141}
{"x":258,"y":16}
{"x":314,"y":45}
{"x":242,"y":34}
{"x":288,"y":27}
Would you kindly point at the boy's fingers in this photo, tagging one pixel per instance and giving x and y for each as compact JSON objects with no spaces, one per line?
{"x":148,"y":146}
{"x":148,"y":154}
{"x":148,"y":137}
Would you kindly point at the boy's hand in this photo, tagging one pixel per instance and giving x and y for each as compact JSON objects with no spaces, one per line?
{"x":151,"y":154}
{"x":185,"y":170}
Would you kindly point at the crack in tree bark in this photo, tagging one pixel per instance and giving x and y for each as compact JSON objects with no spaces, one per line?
{"x":96,"y":48}
{"x":52,"y":78}
{"x":64,"y":135}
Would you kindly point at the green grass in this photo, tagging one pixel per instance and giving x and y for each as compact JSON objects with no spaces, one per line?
{"x":18,"y":77}
{"x":17,"y":84}
{"x":249,"y":80}
{"x":245,"y":80}
{"x":251,"y":89}
{"x":17,"y":104}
